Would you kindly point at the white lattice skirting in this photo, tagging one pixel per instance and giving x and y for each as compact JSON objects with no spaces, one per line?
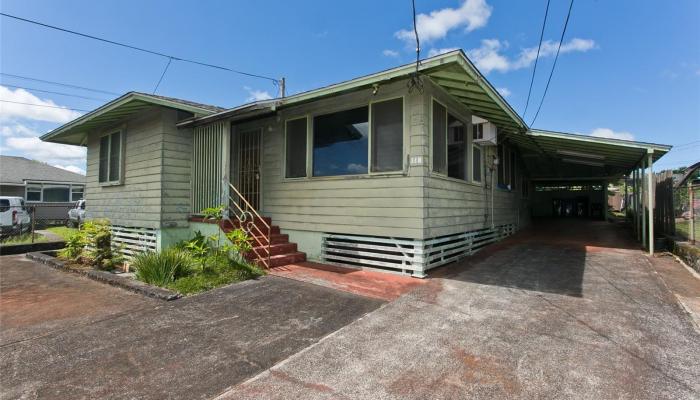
{"x":133,"y":240}
{"x":413,"y":256}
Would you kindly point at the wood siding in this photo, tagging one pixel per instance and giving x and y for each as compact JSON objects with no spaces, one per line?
{"x":156,"y":168}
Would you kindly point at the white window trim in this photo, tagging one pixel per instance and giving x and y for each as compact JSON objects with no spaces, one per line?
{"x":481,"y":162}
{"x":44,"y":185}
{"x":434,"y":100}
{"x":122,"y":146}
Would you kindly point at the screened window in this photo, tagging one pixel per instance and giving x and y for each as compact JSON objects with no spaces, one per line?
{"x":478,"y":131}
{"x":439,"y":138}
{"x":512,"y":170}
{"x":476,"y":161}
{"x":341,"y":143}
{"x":110,"y":157}
{"x":501,"y":166}
{"x":77,"y":193}
{"x":387,"y":136}
{"x":296,"y":148}
{"x":456,"y":148}
{"x":33,"y":193}
{"x":56,"y":194}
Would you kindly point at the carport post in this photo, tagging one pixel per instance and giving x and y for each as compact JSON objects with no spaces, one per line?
{"x":642,"y":202}
{"x":635,"y":202}
{"x":650,"y":199}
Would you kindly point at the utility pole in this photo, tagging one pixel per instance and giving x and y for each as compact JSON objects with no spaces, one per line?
{"x":283,"y":89}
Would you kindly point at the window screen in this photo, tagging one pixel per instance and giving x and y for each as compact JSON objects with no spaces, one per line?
{"x":114,"y":156}
{"x":296,"y":148}
{"x":387,"y":136}
{"x":476,"y":167}
{"x":456,"y":149}
{"x":77,"y":193}
{"x":56,"y":194}
{"x":512,"y":170}
{"x":501,"y":166}
{"x":104,"y":158}
{"x":341,"y":143}
{"x":439,"y":138}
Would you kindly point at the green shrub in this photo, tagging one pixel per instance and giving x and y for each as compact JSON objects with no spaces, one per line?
{"x":75,"y":244}
{"x":162,"y":268}
{"x":240,"y":241}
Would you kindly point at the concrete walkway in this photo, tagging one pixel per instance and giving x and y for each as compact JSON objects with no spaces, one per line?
{"x":568,"y":309}
{"x":66,"y":337}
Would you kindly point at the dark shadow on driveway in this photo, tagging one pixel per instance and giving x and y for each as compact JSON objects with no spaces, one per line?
{"x":549,"y":256}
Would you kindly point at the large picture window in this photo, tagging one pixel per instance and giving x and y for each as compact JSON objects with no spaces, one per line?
{"x":341,"y":143}
{"x":54,"y":193}
{"x":456,"y":149}
{"x":439,"y":138}
{"x":110,"y":158}
{"x":387,"y":136}
{"x":296,"y":148}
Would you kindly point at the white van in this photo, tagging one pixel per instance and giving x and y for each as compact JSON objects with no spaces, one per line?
{"x":14,"y":217}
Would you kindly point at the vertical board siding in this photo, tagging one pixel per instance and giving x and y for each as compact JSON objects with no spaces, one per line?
{"x":208,"y":165}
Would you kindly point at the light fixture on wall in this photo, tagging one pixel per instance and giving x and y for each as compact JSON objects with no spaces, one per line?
{"x":375,"y":89}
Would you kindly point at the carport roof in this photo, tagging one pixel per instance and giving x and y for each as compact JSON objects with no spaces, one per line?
{"x":565,"y":156}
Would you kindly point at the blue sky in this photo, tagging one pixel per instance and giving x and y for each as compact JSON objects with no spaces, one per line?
{"x":628,"y":69}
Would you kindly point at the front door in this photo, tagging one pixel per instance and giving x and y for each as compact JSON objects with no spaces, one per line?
{"x":249,"y":163}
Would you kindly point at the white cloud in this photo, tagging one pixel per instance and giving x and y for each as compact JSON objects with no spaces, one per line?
{"x":71,"y":168}
{"x":488,"y":57}
{"x":16,"y":130}
{"x":611,"y":134}
{"x":35,"y":149}
{"x":437,"y":52}
{"x":471,"y":15}
{"x":505,"y":92}
{"x":257,"y":95}
{"x":390,"y":53}
{"x":42,"y":110}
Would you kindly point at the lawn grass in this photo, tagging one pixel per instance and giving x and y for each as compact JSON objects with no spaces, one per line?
{"x":683,"y":229}
{"x":63,"y":231}
{"x":24,"y":238}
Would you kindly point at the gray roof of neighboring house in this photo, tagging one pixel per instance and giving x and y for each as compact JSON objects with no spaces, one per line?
{"x":17,"y":170}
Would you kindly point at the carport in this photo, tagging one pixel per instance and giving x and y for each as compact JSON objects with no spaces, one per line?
{"x":570,"y":175}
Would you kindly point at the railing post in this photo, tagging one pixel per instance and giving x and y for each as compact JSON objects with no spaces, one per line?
{"x":650,"y":199}
{"x":691,"y":201}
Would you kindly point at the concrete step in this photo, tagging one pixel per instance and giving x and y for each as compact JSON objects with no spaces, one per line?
{"x":285,"y":259}
{"x":275,"y":249}
{"x":274,"y":229}
{"x":275,"y":238}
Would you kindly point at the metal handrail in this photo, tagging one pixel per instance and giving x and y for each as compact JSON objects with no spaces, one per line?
{"x":242,"y":216}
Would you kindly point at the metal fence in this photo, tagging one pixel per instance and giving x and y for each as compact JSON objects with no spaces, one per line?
{"x":677,"y":207}
{"x":38,"y":222}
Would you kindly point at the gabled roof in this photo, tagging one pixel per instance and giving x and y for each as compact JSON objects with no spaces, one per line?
{"x":17,"y":170}
{"x":452,"y":71}
{"x":116,"y":110}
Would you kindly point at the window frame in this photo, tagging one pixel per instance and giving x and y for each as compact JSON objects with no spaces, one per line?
{"x":310,"y":116}
{"x":122,"y":147}
{"x":479,"y":181}
{"x":309,"y":136}
{"x":48,"y":185}
{"x":370,"y":162}
{"x":434,"y":100}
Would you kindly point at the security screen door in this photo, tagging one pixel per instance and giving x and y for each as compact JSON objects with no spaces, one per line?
{"x":249,"y":163}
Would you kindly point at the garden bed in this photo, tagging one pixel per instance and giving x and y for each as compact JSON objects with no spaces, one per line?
{"x":119,"y":280}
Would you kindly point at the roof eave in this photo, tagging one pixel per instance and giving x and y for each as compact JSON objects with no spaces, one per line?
{"x":655,"y":147}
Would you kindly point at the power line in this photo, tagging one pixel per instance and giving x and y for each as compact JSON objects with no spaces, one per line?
{"x":52,"y":92}
{"x":58,"y":83}
{"x":42,"y":105}
{"x":539,"y":46}
{"x":556,"y":57}
{"x":128,"y":46}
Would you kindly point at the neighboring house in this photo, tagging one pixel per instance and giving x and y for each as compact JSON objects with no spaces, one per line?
{"x":50,"y":189}
{"x":379,"y":171}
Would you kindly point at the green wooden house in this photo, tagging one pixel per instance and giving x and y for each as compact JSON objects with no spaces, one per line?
{"x":405,"y":169}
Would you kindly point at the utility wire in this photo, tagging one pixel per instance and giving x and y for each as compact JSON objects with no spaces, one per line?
{"x":52,"y":92}
{"x":415,"y":82}
{"x":58,"y":83}
{"x":162,"y":75}
{"x":42,"y":105}
{"x":128,"y":46}
{"x":556,"y":57}
{"x":534,"y":70}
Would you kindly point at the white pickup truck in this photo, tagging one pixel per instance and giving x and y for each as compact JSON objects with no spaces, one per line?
{"x":76,"y":215}
{"x":14,"y":217}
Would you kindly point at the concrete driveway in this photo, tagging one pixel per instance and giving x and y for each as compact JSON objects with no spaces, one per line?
{"x":66,"y":337}
{"x":567,"y":310}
